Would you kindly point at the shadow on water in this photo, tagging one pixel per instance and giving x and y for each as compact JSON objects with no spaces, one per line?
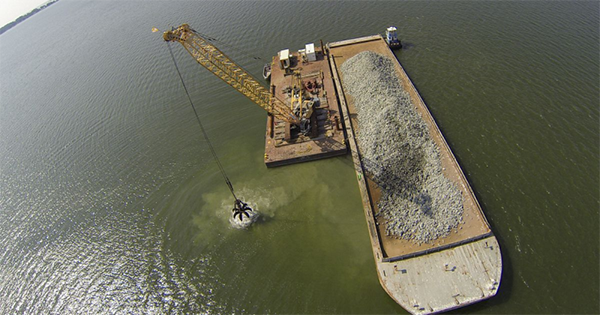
{"x":407,"y":45}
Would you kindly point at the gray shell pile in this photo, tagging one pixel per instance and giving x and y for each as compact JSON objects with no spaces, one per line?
{"x":418,"y":202}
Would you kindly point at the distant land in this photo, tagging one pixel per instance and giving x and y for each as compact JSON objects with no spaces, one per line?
{"x":26,"y":16}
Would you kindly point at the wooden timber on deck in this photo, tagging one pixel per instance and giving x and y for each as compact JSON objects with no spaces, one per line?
{"x":460,"y":269}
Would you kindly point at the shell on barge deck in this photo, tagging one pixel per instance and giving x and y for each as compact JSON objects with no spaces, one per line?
{"x":462,"y":268}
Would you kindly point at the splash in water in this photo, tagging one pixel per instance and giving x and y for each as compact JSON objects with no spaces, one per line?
{"x":242,"y":215}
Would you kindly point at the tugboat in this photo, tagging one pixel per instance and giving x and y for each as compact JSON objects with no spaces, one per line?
{"x":391,"y":38}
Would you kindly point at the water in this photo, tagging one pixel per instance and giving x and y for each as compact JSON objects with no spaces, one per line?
{"x":110,"y":201}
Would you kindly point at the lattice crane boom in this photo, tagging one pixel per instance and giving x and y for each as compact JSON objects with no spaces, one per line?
{"x":227,"y":70}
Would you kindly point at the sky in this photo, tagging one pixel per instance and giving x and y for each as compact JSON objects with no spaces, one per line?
{"x":10,"y":10}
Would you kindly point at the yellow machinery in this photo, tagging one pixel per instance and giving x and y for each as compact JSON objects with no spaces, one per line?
{"x":298,"y":103}
{"x":223,"y":67}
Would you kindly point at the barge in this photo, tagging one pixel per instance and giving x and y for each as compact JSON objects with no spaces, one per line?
{"x":459,"y":269}
{"x":304,"y":74}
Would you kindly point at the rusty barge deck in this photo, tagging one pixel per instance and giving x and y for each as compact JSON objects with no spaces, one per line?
{"x":327,"y":139}
{"x":460,"y":269}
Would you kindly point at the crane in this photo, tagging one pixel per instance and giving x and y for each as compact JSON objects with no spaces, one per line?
{"x":227,"y":70}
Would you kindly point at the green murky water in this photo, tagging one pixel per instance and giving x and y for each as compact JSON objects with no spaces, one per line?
{"x":110,"y":201}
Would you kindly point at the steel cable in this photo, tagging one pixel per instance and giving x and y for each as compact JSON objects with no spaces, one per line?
{"x":212,"y":150}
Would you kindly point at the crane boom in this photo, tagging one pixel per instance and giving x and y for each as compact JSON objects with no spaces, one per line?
{"x":223,"y":67}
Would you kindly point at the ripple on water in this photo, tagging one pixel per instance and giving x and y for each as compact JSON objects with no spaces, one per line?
{"x":117,"y":264}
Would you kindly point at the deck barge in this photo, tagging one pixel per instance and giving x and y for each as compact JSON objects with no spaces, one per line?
{"x":327,"y":138}
{"x":454,"y":271}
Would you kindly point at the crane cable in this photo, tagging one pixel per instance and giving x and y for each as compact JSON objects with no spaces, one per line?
{"x":212,"y":150}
